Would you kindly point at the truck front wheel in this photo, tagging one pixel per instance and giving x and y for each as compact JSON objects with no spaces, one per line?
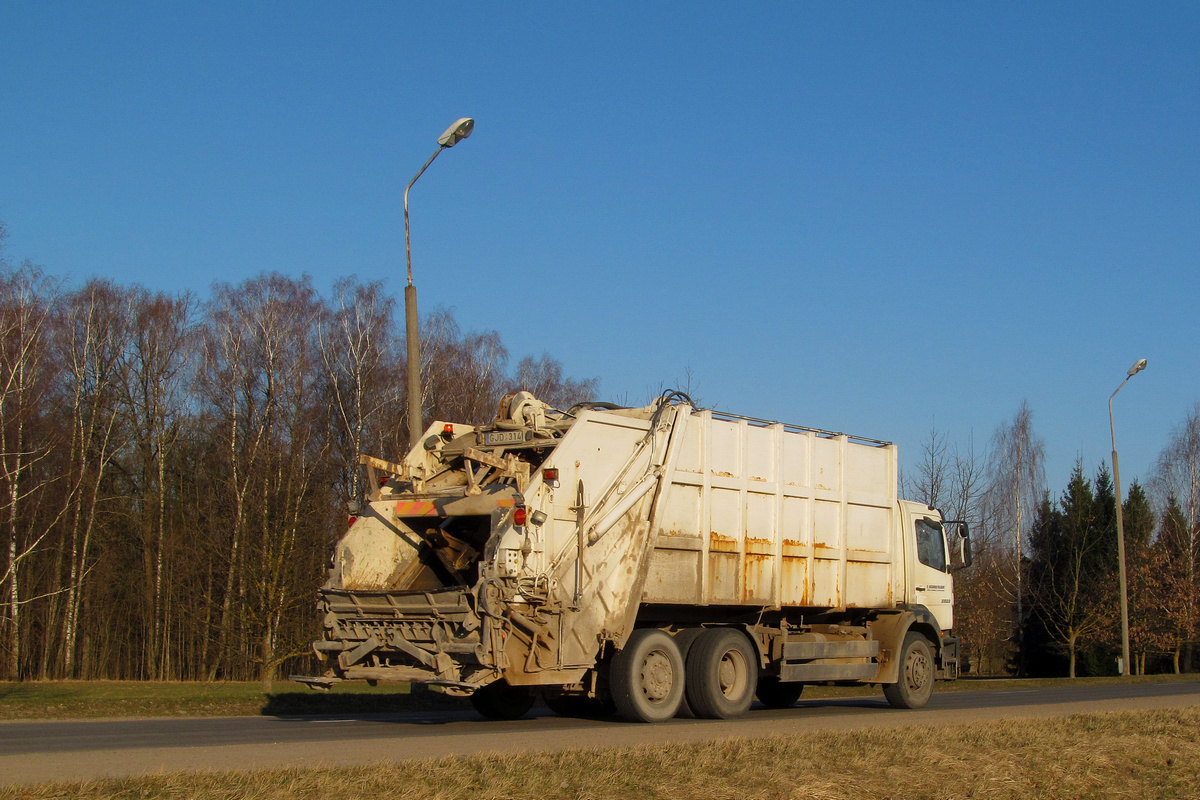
{"x":722,"y":672}
{"x":646,"y":677}
{"x":916,"y":674}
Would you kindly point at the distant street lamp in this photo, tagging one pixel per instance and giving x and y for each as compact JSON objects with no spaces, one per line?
{"x":1134,"y":370}
{"x":454,"y":134}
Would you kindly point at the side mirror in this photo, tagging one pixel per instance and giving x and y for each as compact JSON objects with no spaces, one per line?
{"x":965,"y":557}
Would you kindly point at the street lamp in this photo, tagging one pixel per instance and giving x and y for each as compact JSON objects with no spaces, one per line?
{"x":454,"y":134}
{"x":1134,"y":370}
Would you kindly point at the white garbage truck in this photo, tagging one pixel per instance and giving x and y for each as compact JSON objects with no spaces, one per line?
{"x":655,"y":561}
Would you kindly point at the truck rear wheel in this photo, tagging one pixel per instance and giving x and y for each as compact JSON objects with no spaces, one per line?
{"x":683,"y":640}
{"x":722,"y":673}
{"x":499,"y":700}
{"x":916,"y":674}
{"x":646,"y":677}
{"x":774,"y":693}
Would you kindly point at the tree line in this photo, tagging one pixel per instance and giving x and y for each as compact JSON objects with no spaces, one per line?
{"x":1042,"y":596}
{"x":173,"y":471}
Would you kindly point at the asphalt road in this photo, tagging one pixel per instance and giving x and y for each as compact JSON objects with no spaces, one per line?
{"x":38,"y":751}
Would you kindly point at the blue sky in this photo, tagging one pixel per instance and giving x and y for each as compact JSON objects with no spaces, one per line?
{"x":864,"y":217}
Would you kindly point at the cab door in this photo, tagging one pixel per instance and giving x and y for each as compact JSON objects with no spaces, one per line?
{"x":928,"y":569}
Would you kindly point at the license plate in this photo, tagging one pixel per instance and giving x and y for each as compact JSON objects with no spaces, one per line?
{"x":503,"y":437}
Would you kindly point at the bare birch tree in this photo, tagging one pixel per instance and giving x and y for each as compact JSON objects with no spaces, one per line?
{"x":545,"y":378}
{"x":27,"y":300}
{"x":264,"y":385}
{"x":464,"y":376}
{"x":952,"y":479}
{"x":363,"y":376}
{"x":1016,"y":485}
{"x":1176,"y":488}
{"x":158,"y":371}
{"x":171,"y":473}
{"x":96,"y":334}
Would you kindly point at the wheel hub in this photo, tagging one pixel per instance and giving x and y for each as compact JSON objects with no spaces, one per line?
{"x":729,"y":674}
{"x":916,"y":670}
{"x":657,"y":676}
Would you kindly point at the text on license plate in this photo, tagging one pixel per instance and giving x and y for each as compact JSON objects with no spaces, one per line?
{"x":503,"y":437}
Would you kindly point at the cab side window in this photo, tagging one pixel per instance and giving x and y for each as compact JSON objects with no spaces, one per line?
{"x":931,"y":545}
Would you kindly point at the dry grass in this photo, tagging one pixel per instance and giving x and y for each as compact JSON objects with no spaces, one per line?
{"x":1154,"y":754}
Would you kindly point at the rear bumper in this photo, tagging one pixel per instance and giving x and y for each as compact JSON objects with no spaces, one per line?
{"x":428,"y":637}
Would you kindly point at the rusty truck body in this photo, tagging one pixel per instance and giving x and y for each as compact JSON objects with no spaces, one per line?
{"x":653,"y":561}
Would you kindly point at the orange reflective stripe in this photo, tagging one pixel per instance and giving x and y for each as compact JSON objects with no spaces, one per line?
{"x":416,"y":508}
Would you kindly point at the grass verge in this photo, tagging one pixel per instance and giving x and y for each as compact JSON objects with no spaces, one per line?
{"x":93,"y":699}
{"x":32,"y":700}
{"x":1129,"y":754}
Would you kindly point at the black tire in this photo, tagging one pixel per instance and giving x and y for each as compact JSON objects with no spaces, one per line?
{"x":684,"y":640}
{"x":774,"y":693}
{"x":646,"y":677}
{"x":917,"y":673}
{"x":578,"y":706}
{"x":722,"y":673}
{"x":500,"y":701}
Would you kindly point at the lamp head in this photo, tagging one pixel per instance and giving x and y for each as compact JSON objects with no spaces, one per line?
{"x":1138,"y":367}
{"x":457,"y":132}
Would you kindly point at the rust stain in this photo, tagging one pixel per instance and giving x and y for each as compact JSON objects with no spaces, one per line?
{"x":722,"y":544}
{"x":756,"y":478}
{"x":795,"y":582}
{"x":759,"y":546}
{"x":723,"y":474}
{"x":757,"y":583}
{"x":793,"y":548}
{"x":723,"y":578}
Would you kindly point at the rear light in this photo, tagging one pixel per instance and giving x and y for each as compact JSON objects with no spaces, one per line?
{"x":519,"y":516}
{"x":383,"y":482}
{"x":448,"y":432}
{"x":550,"y":475}
{"x":352,"y":521}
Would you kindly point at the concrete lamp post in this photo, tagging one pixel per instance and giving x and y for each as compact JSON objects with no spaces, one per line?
{"x":1134,"y":370}
{"x":460,"y":130}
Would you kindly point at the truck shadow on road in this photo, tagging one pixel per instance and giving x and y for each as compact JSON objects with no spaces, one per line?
{"x":367,"y":708}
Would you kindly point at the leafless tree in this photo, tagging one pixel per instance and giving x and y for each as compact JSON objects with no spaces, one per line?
{"x":952,"y":479}
{"x":95,"y":333}
{"x":1175,"y":485}
{"x":158,"y":367}
{"x":363,"y":374}
{"x":1016,"y":485}
{"x":27,"y":299}
{"x":463,"y":375}
{"x":171,"y":472}
{"x":266,"y":368}
{"x":545,"y":379}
